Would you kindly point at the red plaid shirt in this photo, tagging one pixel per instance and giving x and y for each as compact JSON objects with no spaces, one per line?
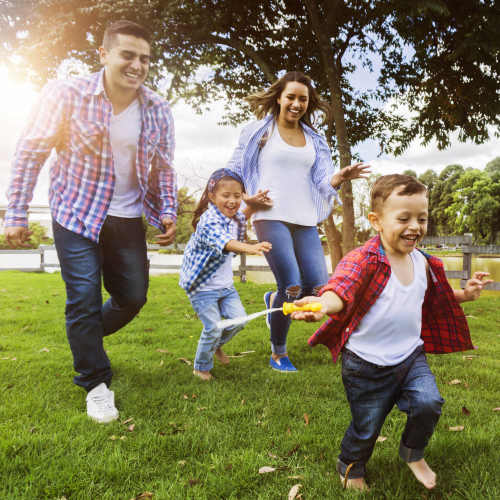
{"x":359,"y":279}
{"x":73,"y":116}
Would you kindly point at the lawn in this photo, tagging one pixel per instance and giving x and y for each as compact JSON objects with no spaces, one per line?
{"x":178,"y":437}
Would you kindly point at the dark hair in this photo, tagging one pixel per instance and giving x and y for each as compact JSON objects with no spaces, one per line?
{"x":386,"y":184}
{"x":266,"y":101}
{"x":204,"y":200}
{"x":124,"y":27}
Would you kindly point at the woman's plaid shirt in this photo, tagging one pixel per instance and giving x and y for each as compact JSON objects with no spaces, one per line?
{"x":73,"y":116}
{"x":359,"y":279}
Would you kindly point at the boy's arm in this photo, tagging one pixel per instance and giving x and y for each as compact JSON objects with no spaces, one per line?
{"x":331,"y":304}
{"x":473,"y":287}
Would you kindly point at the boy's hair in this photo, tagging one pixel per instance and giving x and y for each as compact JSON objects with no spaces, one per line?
{"x":265,"y":101}
{"x":386,"y":184}
{"x":124,"y":27}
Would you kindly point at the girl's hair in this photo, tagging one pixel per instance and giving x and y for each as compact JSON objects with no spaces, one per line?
{"x":266,"y":101}
{"x":222,"y":174}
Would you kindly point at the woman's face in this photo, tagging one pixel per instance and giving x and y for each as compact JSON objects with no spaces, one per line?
{"x":293,"y":102}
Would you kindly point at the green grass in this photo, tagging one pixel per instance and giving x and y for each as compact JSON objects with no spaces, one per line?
{"x":208,"y":440}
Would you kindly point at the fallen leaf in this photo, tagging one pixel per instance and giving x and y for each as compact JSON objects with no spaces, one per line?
{"x":266,"y":469}
{"x":469,"y":357}
{"x":192,"y":482}
{"x":293,"y":450}
{"x":496,"y":409}
{"x":125,"y":422}
{"x":466,"y":385}
{"x":185,"y":396}
{"x":465,"y":411}
{"x":33,"y":430}
{"x":306,"y":419}
{"x":228,"y":467}
{"x":457,"y":428}
{"x":148,"y":329}
{"x":272,"y":455}
{"x":146,"y":494}
{"x":193,"y":396}
{"x":240,"y":354}
{"x":455,"y":381}
{"x":184,"y":360}
{"x":182,"y":463}
{"x":292,"y":494}
{"x":201,"y":408}
{"x":242,"y":401}
{"x":381,"y":439}
{"x":44,"y":350}
{"x":295,"y":477}
{"x":165,"y":351}
{"x":122,"y":438}
{"x":113,"y":437}
{"x":131,"y":428}
{"x":289,"y":431}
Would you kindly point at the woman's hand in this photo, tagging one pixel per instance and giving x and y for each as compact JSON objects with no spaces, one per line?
{"x":356,"y":171}
{"x":259,"y":201}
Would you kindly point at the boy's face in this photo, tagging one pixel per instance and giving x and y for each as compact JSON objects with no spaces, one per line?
{"x":401,"y":221}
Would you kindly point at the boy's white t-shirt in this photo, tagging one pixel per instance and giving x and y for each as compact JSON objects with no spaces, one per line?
{"x":124,"y":133}
{"x":223,"y":277}
{"x":390,"y":331}
{"x":286,"y":170}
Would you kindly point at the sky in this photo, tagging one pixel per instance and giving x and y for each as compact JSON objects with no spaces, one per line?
{"x":202,"y":145}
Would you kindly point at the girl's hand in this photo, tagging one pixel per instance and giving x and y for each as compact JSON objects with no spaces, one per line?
{"x":356,"y":171}
{"x":473,"y":287}
{"x":259,"y":201}
{"x":259,"y":248}
{"x":308,"y":315}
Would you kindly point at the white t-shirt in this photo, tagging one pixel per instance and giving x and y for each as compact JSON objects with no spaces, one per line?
{"x":286,"y":171}
{"x":124,"y":135}
{"x":390,"y":331}
{"x":223,"y":277}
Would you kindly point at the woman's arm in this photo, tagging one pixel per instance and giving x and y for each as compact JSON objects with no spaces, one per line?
{"x":356,"y":171}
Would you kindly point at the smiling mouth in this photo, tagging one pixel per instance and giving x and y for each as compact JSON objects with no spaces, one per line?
{"x":413,"y":238}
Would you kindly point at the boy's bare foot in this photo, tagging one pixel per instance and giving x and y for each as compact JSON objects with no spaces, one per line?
{"x":357,"y":483}
{"x":223,"y":358}
{"x":423,"y":473}
{"x":203,"y":375}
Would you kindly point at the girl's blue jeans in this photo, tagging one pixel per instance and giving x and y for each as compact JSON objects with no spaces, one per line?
{"x":298,"y":264}
{"x":211,"y":306}
{"x":372,"y":391}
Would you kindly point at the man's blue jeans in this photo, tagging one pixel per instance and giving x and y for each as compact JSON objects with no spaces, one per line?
{"x":120,"y":258}
{"x":298,"y":264}
{"x":211,"y":306}
{"x":372,"y":391}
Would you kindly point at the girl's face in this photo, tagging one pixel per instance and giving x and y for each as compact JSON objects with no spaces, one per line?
{"x":293,"y":102}
{"x":227,"y":196}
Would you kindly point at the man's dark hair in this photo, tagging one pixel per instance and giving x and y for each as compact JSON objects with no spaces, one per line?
{"x":124,"y":27}
{"x":386,"y":184}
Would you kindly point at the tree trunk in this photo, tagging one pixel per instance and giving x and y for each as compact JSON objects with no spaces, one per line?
{"x":333,"y":238}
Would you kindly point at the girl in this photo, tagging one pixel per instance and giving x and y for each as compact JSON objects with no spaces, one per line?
{"x":283,"y":154}
{"x":206,"y":271}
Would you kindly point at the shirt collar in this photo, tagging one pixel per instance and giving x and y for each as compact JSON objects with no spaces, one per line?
{"x":239,"y":218}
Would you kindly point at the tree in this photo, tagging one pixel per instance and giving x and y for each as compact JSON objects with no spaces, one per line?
{"x":429,"y":179}
{"x":493,"y":169}
{"x":410,"y":172}
{"x":247,"y":44}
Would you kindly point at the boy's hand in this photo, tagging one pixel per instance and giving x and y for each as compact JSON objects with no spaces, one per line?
{"x":308,"y":316}
{"x":473,"y":287}
{"x":259,"y":201}
{"x":260,"y":248}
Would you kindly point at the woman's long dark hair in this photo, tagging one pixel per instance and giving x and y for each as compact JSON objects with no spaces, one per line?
{"x":266,"y":101}
{"x":204,"y":200}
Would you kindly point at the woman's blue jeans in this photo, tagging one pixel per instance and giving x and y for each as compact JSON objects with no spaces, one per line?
{"x":372,"y":391}
{"x":298,"y":264}
{"x":211,"y":306}
{"x":120,"y":259}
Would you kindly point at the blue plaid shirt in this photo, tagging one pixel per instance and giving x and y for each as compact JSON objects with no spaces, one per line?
{"x":245,"y":162}
{"x":204,"y":252}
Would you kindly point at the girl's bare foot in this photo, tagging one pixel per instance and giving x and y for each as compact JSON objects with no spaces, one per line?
{"x":203,"y":375}
{"x":357,"y":483}
{"x":423,"y":473}
{"x":223,"y":358}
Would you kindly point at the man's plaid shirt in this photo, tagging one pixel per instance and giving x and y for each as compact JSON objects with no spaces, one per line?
{"x":73,"y":116}
{"x":204,"y":252}
{"x":359,"y":279}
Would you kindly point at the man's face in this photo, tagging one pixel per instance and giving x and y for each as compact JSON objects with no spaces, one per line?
{"x":126,"y":63}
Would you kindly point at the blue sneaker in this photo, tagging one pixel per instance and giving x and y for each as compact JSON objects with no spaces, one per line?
{"x":282,"y":365}
{"x":267,"y":301}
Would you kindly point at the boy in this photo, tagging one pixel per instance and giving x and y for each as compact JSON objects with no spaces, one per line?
{"x":390,"y":302}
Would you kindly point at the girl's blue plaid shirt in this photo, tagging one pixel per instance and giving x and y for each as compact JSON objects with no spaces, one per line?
{"x":205,"y":252}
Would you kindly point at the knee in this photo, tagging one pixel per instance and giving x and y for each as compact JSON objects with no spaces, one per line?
{"x":133,"y":302}
{"x":315,"y":290}
{"x":84,"y":297}
{"x":293,"y":292}
{"x":429,"y":405}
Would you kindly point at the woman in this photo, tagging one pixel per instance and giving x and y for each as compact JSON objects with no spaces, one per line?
{"x":282,"y":155}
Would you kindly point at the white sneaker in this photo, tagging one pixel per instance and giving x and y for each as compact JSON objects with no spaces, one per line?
{"x":100,"y":404}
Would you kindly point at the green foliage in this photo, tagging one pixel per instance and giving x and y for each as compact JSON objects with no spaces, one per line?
{"x":207,"y":441}
{"x":429,"y":178}
{"x":410,"y":172}
{"x":37,"y":238}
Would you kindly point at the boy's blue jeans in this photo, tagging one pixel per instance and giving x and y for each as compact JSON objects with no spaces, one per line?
{"x":372,"y":391}
{"x":120,"y":258}
{"x":296,"y":260}
{"x":211,"y":306}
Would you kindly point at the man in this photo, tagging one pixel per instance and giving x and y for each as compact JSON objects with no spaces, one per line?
{"x":114,"y":140}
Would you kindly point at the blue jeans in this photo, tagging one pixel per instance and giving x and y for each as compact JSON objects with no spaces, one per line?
{"x":211,"y":306}
{"x":120,"y":258}
{"x":372,"y":391}
{"x":298,"y":264}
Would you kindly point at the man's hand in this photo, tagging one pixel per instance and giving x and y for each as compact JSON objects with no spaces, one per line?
{"x":168,"y":236}
{"x":17,"y":236}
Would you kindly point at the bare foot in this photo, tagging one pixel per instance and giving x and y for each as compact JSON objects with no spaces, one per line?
{"x":357,"y":483}
{"x":423,"y":473}
{"x":223,"y":358}
{"x":203,"y":375}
